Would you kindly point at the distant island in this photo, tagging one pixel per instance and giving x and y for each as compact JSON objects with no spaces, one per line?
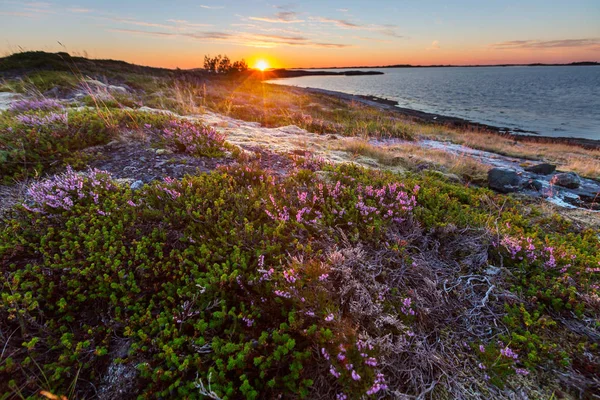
{"x":294,"y":73}
{"x":573,"y":64}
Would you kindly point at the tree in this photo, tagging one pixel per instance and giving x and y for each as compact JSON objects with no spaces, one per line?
{"x":240,"y":66}
{"x":223,"y":65}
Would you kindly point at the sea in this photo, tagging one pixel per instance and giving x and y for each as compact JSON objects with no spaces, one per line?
{"x":557,"y":101}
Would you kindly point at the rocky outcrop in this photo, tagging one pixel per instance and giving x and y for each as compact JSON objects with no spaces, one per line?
{"x":504,"y":180}
{"x":569,"y":180}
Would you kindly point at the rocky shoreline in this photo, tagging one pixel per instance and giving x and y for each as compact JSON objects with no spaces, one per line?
{"x":455,"y":122}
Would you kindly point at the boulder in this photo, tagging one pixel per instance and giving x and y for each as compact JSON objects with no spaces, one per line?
{"x":570,"y":180}
{"x":503,"y":180}
{"x":533,"y":184}
{"x":137,"y":185}
{"x":542,"y":169}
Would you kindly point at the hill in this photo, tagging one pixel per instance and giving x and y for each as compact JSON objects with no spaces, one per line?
{"x":176,"y":234}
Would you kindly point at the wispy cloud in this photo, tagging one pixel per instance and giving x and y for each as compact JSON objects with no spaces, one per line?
{"x":37,"y":4}
{"x":342,"y":23}
{"x":211,"y":7}
{"x":238,"y":38}
{"x":283,"y":17}
{"x":131,"y":21}
{"x":80,"y":10}
{"x":17,"y":14}
{"x":344,"y":10}
{"x":181,"y":23}
{"x":196,"y":35}
{"x":388,"y":30}
{"x":546,"y":44}
{"x":435,"y":45}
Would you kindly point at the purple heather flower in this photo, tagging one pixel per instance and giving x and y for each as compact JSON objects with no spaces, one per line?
{"x":334,"y":371}
{"x":355,"y":376}
{"x":509,"y":353}
{"x":521,"y":371}
{"x":329,"y":318}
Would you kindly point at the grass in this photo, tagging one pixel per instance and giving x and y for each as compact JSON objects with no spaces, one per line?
{"x":246,"y":97}
{"x":414,"y":157}
{"x":585,"y":162}
{"x":308,"y":280}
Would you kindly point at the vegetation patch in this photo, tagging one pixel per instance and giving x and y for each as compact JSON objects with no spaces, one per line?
{"x":330,"y":281}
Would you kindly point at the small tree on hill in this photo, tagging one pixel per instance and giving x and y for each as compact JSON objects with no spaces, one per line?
{"x":223,"y":65}
{"x":240,"y":66}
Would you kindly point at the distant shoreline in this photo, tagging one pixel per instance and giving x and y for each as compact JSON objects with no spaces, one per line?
{"x":573,"y":64}
{"x":453,"y":122}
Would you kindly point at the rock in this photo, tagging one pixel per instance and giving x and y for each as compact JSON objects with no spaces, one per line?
{"x":492,"y":270}
{"x":160,"y":152}
{"x":6,"y":98}
{"x":137,"y":185}
{"x":542,"y":169}
{"x":109,"y":88}
{"x":533,"y":184}
{"x":570,"y":180}
{"x":503,"y":180}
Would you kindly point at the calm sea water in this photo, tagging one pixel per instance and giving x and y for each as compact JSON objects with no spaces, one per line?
{"x":551,"y":101}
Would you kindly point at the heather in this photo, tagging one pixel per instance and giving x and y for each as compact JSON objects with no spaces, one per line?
{"x":175,"y":252}
{"x":34,"y":139}
{"x":328,"y":281}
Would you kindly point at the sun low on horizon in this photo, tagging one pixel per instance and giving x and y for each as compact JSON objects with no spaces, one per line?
{"x":261,"y":65}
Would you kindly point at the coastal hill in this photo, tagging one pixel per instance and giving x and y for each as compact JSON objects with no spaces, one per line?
{"x":182,"y":234}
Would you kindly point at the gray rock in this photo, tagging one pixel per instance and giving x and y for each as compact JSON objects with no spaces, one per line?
{"x":542,"y":169}
{"x":160,"y":152}
{"x":503,"y":180}
{"x":569,"y":180}
{"x":492,"y":271}
{"x":137,"y":185}
{"x":533,"y":184}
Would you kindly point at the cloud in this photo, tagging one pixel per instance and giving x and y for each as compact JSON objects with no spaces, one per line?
{"x":38,"y":10}
{"x":238,"y":38}
{"x":17,"y":14}
{"x":80,"y":10}
{"x":37,"y":4}
{"x":387,"y":30}
{"x":283,"y":17}
{"x":546,"y":44}
{"x":182,"y":23}
{"x":342,"y":23}
{"x":435,"y":45}
{"x":211,"y":7}
{"x":135,"y":22}
{"x":344,"y":10}
{"x":197,"y":35}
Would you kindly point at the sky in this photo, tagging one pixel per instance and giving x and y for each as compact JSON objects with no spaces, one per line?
{"x":308,"y":33}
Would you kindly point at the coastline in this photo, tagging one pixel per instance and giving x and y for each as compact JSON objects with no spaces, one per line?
{"x":452,"y":122}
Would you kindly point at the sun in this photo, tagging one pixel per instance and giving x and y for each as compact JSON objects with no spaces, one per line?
{"x":262,"y":65}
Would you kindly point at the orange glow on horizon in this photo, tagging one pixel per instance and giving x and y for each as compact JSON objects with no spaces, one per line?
{"x":262,"y":65}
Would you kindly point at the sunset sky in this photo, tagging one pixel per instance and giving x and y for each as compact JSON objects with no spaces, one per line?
{"x":178,"y":33}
